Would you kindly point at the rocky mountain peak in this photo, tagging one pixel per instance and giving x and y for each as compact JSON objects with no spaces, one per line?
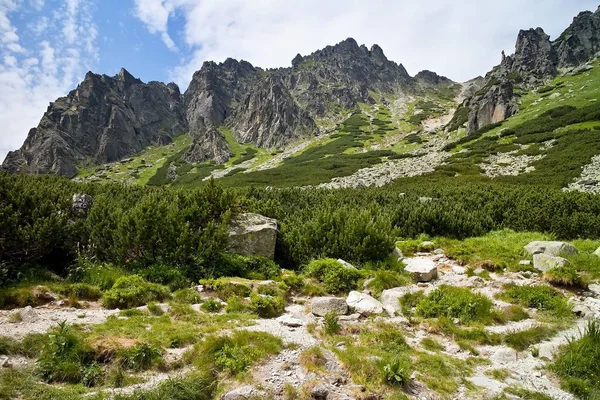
{"x":127,"y":79}
{"x":431,"y":78}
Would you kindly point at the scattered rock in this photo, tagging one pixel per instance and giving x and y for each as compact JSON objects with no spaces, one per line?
{"x":319,"y":392}
{"x":345,"y":264}
{"x":525,"y":263}
{"x":363,"y":304}
{"x":423,"y":269}
{"x":397,"y":253}
{"x":290,"y":321}
{"x":253,"y":235}
{"x":427,"y":246}
{"x":544,"y":262}
{"x":82,"y":203}
{"x":390,"y":299}
{"x":322,"y":305}
{"x":551,"y":248}
{"x":243,"y":393}
{"x":459,"y":270}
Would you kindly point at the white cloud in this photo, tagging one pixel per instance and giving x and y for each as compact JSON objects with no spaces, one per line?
{"x":458,"y":39}
{"x":155,"y":15}
{"x":31,"y":77}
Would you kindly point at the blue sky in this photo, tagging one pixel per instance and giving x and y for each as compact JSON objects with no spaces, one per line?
{"x":47,"y":46}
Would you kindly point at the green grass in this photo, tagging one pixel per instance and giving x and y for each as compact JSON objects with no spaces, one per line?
{"x":577,"y":364}
{"x":521,"y":340}
{"x":541,"y":297}
{"x":453,"y":302}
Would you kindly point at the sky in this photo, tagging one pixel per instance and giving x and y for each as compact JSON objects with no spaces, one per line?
{"x":47,"y":46}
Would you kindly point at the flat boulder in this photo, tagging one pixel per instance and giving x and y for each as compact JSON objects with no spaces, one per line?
{"x":320,"y":306}
{"x":290,"y":321}
{"x":544,"y":262}
{"x":423,"y":269}
{"x":363,"y":304}
{"x":253,"y":235}
{"x":551,"y":248}
{"x":243,"y":393}
{"x":345,"y":264}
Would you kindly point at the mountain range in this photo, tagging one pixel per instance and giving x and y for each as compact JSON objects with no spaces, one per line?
{"x":235,"y":117}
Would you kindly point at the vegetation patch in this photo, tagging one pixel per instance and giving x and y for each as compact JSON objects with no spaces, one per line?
{"x":453,"y":302}
{"x":133,"y":291}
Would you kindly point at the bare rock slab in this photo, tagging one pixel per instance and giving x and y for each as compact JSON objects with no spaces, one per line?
{"x":322,"y":305}
{"x":551,"y":248}
{"x":363,"y":304}
{"x":243,"y":393}
{"x":544,"y":262}
{"x":423,"y":269}
{"x":390,"y":299}
{"x":253,"y":235}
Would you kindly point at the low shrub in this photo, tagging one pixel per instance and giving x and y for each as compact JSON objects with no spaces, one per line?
{"x":19,"y":297}
{"x":155,"y":309}
{"x":165,"y":275}
{"x":566,"y":276}
{"x":292,"y":280}
{"x":409,"y":301}
{"x":453,"y":302}
{"x":335,"y":277}
{"x":541,"y":297}
{"x":225,"y":288}
{"x":331,"y":324}
{"x":383,"y":280}
{"x":103,"y":276}
{"x":66,"y":357}
{"x":133,"y":291}
{"x":236,"y":304}
{"x":513,"y":313}
{"x":234,"y":354}
{"x":141,"y":357}
{"x":187,"y":296}
{"x":521,"y":340}
{"x":211,"y":305}
{"x":81,"y":291}
{"x":577,"y":364}
{"x":267,"y":306}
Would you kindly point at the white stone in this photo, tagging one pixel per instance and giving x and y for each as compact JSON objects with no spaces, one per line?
{"x":423,"y":269}
{"x":345,"y":264}
{"x":363,"y":304}
{"x":397,"y":253}
{"x":525,"y":263}
{"x":243,"y":393}
{"x":459,"y":270}
{"x":290,"y":321}
{"x":390,"y":299}
{"x":544,"y":262}
{"x":597,"y":252}
{"x":551,"y":248}
{"x":322,"y":305}
{"x":427,"y":246}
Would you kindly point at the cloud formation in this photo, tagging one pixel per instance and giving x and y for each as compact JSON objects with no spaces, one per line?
{"x":63,"y":48}
{"x":458,"y":39}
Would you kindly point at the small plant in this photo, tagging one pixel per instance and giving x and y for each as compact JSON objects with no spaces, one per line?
{"x":453,"y":302}
{"x":577,"y":364}
{"x":397,"y":372}
{"x":187,"y":296}
{"x":432,"y":345}
{"x":155,"y":309}
{"x":331,"y":325}
{"x":133,"y":291}
{"x":409,"y":301}
{"x":513,"y":313}
{"x":92,"y":375}
{"x":235,"y":304}
{"x":267,"y":306}
{"x":335,"y":277}
{"x":212,"y":305}
{"x":542,"y":297}
{"x":521,"y":340}
{"x":535,"y":352}
{"x":566,"y":276}
{"x":15,"y":317}
{"x":80,"y":291}
{"x":313,"y":359}
{"x":141,"y":357}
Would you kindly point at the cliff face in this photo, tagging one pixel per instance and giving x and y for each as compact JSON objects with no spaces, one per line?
{"x":535,"y":61}
{"x":103,"y":120}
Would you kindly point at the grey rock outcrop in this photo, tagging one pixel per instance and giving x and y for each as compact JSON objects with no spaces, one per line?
{"x":320,"y":306}
{"x":536,"y":60}
{"x":551,"y":248}
{"x":581,"y":41}
{"x":423,"y":269}
{"x":363,"y":304}
{"x":269,"y":117}
{"x":82,"y":203}
{"x":544,"y":262}
{"x":104,"y":120}
{"x":253,"y":235}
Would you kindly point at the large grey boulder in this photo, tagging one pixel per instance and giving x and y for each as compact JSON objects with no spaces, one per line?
{"x":345,"y":264}
{"x":544,"y":262}
{"x":551,"y":248}
{"x":422,"y":269}
{"x":322,"y":305}
{"x":243,"y":393}
{"x":253,"y":235}
{"x":363,"y":304}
